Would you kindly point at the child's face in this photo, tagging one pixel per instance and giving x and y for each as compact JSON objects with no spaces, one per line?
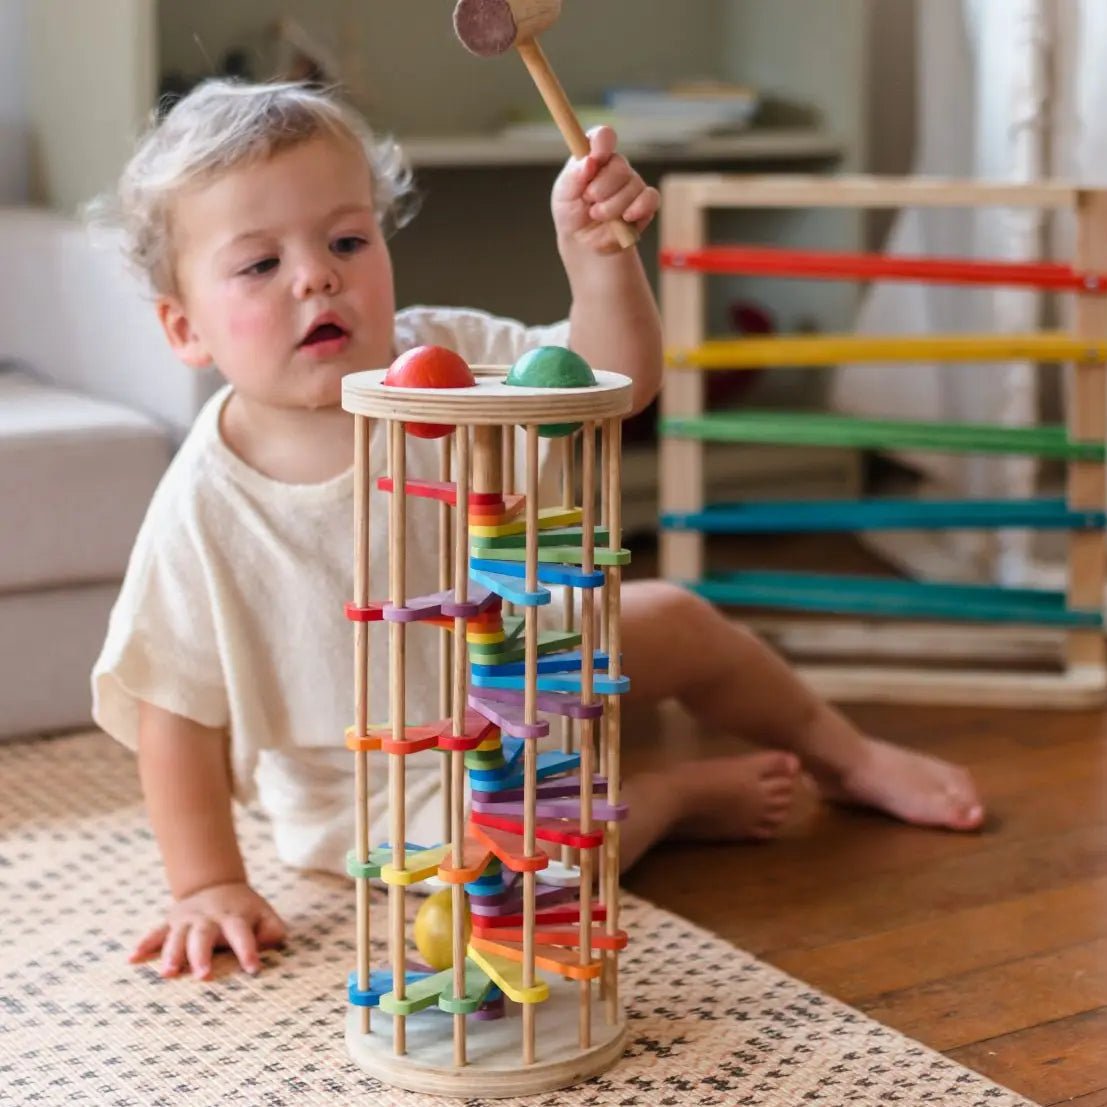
{"x":285,"y":282}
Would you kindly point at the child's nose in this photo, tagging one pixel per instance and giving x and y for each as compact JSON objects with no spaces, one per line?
{"x":317,"y":277}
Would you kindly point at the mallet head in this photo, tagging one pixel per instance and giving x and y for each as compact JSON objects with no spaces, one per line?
{"x":490,"y":27}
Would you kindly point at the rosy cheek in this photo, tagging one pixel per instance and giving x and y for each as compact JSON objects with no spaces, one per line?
{"x":247,"y":320}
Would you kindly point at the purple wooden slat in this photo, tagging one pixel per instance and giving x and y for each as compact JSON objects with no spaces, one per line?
{"x":480,"y":599}
{"x":544,"y":896}
{"x":556,"y":703}
{"x":493,"y":1009}
{"x":566,"y":808}
{"x":508,"y":717}
{"x":440,"y":603}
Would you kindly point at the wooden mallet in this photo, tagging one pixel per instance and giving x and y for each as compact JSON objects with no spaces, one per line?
{"x":491,"y":27}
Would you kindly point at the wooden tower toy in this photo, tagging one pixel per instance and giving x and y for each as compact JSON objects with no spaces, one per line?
{"x":517,"y":991}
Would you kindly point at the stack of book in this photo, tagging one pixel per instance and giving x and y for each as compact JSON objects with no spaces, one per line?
{"x":676,"y":114}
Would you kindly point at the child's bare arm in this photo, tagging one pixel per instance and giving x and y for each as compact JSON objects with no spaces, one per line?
{"x":614,"y":322}
{"x":187,"y":784}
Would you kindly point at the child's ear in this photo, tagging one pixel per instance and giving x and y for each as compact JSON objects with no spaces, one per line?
{"x":185,"y":342}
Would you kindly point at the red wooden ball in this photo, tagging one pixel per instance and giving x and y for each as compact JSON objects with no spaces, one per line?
{"x":429,"y":367}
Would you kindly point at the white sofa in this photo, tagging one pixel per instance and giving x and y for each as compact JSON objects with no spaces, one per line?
{"x":91,"y":404}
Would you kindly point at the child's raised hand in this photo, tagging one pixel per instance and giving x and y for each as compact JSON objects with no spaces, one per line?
{"x":593,"y":190}
{"x":225,"y":916}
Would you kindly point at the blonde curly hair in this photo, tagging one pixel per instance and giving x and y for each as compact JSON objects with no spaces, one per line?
{"x":222,"y":124}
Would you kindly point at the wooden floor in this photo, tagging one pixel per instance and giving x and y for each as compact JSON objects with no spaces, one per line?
{"x":991,"y":948}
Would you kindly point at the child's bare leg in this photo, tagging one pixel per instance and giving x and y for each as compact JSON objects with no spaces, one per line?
{"x":676,"y":645}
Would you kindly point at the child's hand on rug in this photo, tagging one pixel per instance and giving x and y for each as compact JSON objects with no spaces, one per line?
{"x":225,"y":916}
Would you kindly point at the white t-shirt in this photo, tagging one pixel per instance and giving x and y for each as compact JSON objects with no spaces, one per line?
{"x":231,"y":614}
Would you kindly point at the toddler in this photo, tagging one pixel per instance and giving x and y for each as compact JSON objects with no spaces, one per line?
{"x":259,"y":213}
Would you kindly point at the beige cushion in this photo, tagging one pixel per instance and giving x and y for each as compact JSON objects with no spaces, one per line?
{"x":76,"y":475}
{"x":48,"y":643}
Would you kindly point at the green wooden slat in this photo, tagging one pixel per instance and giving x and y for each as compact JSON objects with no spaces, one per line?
{"x":561,"y":555}
{"x":890,"y":597}
{"x":787,"y":428}
{"x":420,"y":994}
{"x":556,"y":536}
{"x":826,"y":516}
{"x":496,"y":653}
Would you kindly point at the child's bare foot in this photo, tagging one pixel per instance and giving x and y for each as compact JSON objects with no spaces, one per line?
{"x":731,"y":799}
{"x":720,"y":799}
{"x":911,"y":786}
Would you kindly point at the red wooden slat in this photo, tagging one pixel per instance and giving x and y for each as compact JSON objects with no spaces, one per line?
{"x":830,"y":265}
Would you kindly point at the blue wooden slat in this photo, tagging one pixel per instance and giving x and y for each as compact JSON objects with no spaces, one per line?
{"x":855,"y":595}
{"x":550,"y":763}
{"x":548,"y":573}
{"x":556,"y":682}
{"x":810,"y":516}
{"x":568,"y":661}
{"x":508,"y":588}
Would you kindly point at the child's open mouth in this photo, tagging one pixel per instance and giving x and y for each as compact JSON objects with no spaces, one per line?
{"x":325,"y":337}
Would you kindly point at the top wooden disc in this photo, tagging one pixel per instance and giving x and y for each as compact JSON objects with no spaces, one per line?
{"x":489,"y":402}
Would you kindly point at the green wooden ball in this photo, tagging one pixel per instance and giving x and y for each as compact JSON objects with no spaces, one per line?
{"x":552,"y":367}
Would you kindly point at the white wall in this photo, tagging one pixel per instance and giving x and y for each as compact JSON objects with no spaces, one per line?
{"x":14,"y":153}
{"x":91,"y":84}
{"x":414,"y":77}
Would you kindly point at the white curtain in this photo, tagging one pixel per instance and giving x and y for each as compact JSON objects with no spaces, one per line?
{"x":1011,"y":91}
{"x":14,"y":124}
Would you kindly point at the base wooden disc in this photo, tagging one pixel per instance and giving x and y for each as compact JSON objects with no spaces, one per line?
{"x":494,"y":1049}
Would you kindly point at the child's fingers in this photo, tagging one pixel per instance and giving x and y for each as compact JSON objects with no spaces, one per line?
{"x":271,"y":931}
{"x":602,"y":140}
{"x":644,"y":206}
{"x":201,"y":942}
{"x":149,"y":945}
{"x":240,"y":937}
{"x":173,"y":949}
{"x":577,"y":175}
{"x":612,"y":178}
{"x":616,"y":206}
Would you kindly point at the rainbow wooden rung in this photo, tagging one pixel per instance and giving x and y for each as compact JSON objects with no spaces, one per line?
{"x":840,"y":265}
{"x":802,"y":428}
{"x":836,"y":349}
{"x":823,"y":516}
{"x":858,"y":595}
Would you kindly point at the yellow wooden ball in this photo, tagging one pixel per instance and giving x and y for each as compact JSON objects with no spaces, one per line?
{"x":434,"y":936}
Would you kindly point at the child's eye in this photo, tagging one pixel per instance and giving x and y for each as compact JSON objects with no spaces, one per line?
{"x":259,"y":268}
{"x":348,"y":244}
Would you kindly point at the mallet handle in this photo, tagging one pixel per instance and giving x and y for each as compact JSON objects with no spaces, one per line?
{"x":566,"y":119}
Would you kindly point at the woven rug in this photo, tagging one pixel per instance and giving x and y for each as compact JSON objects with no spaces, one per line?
{"x":80,"y":880}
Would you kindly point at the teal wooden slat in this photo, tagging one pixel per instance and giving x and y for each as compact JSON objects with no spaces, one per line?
{"x":811,"y":516}
{"x":509,"y":589}
{"x":792,"y":428}
{"x":889,"y":597}
{"x":556,"y":682}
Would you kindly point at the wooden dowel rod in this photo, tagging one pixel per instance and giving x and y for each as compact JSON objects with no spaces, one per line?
{"x":530,"y":753}
{"x":457,"y":758}
{"x":587,"y":741}
{"x":397,"y":549}
{"x":362,"y":484}
{"x":444,"y":637}
{"x":612,"y":741}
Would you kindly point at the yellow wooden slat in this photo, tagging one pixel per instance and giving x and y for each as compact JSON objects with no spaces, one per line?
{"x":835,"y":349}
{"x":508,"y":977}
